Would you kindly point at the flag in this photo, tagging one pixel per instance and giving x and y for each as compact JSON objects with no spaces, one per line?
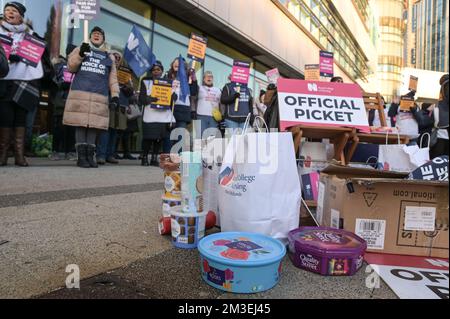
{"x":183,"y":79}
{"x":138,"y":54}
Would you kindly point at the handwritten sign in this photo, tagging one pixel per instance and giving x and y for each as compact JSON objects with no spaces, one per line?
{"x":326,"y":64}
{"x":124,"y":75}
{"x":321,"y":104}
{"x":162,"y":90}
{"x":6,"y":43}
{"x":31,"y":50}
{"x":312,"y":72}
{"x":273,"y":76}
{"x":413,"y":82}
{"x":241,"y":72}
{"x":197,"y":48}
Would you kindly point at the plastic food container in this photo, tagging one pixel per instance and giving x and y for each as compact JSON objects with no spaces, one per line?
{"x":170,"y":205}
{"x":192,"y":182}
{"x":241,"y":262}
{"x":187,"y":229}
{"x":326,"y":251}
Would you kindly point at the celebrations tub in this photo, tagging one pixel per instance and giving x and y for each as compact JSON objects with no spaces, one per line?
{"x":241,"y":262}
{"x":187,"y":229}
{"x":326,"y":251}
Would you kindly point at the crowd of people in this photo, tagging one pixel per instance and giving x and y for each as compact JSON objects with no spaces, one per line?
{"x":92,"y":110}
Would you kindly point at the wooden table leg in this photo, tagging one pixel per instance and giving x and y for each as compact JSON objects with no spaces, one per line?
{"x":298,"y":134}
{"x":352,"y":149}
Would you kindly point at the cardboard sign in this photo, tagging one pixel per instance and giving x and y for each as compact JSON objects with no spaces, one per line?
{"x":273,"y":76}
{"x":6,"y":43}
{"x":88,"y":9}
{"x":436,"y":170}
{"x":31,"y":50}
{"x":326,"y":64}
{"x":241,"y":72}
{"x":124,"y":75}
{"x":411,"y":277}
{"x":312,"y":72}
{"x":162,"y":90}
{"x":413,"y":82}
{"x":406,"y":103}
{"x":321,"y":104}
{"x":197,"y":48}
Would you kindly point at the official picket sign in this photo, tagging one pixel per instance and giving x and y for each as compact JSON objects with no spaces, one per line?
{"x":321,"y":104}
{"x":241,"y":72}
{"x":88,"y":9}
{"x":197,"y":48}
{"x":6,"y":43}
{"x":31,"y":50}
{"x":162,"y":90}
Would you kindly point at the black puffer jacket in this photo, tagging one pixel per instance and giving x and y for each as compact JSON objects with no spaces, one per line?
{"x":4,"y":66}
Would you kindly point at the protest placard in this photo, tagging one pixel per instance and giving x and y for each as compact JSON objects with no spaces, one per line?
{"x":124,"y":75}
{"x":88,"y":9}
{"x":273,"y":76}
{"x":31,"y":50}
{"x":6,"y":43}
{"x":326,"y":64}
{"x":162,"y":90}
{"x":413,"y":82}
{"x":406,"y":103}
{"x":197,"y":48}
{"x":321,"y":104}
{"x":312,"y":72}
{"x":241,"y":72}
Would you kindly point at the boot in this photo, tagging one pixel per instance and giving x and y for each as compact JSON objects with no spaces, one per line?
{"x":144,"y":159}
{"x":82,"y":156}
{"x":91,"y":156}
{"x":112,"y":160}
{"x":19,"y":147}
{"x":5,"y":133}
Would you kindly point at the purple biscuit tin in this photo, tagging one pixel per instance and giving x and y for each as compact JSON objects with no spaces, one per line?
{"x":326,"y":251}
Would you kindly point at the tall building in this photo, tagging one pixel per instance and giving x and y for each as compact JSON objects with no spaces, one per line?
{"x":429,"y":23}
{"x":391,"y":46}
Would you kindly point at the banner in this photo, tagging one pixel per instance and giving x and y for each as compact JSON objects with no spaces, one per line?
{"x":88,"y":9}
{"x":162,"y":90}
{"x":321,"y":104}
{"x":138,"y":54}
{"x":124,"y":75}
{"x":241,"y":72}
{"x":197,"y":48}
{"x":326,"y":64}
{"x":273,"y":76}
{"x":312,"y":72}
{"x":6,"y":43}
{"x":413,"y":82}
{"x":31,"y":50}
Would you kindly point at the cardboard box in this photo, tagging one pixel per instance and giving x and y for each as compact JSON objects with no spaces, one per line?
{"x":393,"y":215}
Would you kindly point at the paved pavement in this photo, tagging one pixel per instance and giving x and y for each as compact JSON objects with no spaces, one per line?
{"x":105,"y":221}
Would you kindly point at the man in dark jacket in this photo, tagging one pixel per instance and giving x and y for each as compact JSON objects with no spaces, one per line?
{"x":235,"y":114}
{"x":4,"y":66}
{"x":425,"y":120}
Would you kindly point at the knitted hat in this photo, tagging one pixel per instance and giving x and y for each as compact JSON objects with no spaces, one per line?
{"x":98,"y":29}
{"x":18,"y":6}
{"x":157,"y":64}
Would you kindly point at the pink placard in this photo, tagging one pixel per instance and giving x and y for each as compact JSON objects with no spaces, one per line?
{"x":273,"y":75}
{"x":7,"y":43}
{"x":326,"y":64}
{"x":326,"y":104}
{"x":31,"y":50}
{"x":241,"y":72}
{"x":68,"y":76}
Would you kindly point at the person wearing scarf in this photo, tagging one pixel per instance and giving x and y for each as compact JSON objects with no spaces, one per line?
{"x":94,"y":90}
{"x":20,"y":88}
{"x":208,"y":101}
{"x":441,"y":119}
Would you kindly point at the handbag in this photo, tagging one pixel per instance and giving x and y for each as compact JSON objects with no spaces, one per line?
{"x":133,"y":112}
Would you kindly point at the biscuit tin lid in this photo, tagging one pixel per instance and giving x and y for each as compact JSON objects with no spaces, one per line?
{"x":327,"y":240}
{"x":242,"y":249}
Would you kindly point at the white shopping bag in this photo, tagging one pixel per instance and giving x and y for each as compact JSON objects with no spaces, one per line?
{"x":400,"y":157}
{"x":259,"y":188}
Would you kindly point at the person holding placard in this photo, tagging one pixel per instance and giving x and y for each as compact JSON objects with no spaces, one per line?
{"x":29,"y":65}
{"x":208,"y":101}
{"x":156,"y":121}
{"x":94,"y":90}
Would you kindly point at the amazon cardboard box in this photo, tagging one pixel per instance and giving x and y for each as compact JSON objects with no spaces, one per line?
{"x":394,"y":215}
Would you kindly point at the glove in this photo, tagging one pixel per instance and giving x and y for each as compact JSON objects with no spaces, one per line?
{"x":237,"y":95}
{"x":153,"y":99}
{"x":114,"y":104}
{"x":85,"y":48}
{"x":14,"y":58}
{"x":194,"y":115}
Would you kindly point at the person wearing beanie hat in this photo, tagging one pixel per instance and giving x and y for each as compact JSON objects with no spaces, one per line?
{"x":155,"y":122}
{"x":94,"y":90}
{"x":441,"y":120}
{"x":208,"y":101}
{"x":20,"y":88}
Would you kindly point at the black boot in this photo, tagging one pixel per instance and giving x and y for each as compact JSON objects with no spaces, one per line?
{"x":91,"y":156}
{"x":82,"y":156}
{"x":154,"y":161}
{"x":144,"y":160}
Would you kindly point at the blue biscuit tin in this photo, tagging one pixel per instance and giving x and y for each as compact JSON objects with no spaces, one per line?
{"x":241,"y":262}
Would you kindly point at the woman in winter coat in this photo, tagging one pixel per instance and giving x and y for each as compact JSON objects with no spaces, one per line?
{"x":156,"y":123}
{"x":208,"y":100}
{"x":20,"y":88}
{"x":88,"y":103}
{"x":182,"y":105}
{"x":441,"y":119}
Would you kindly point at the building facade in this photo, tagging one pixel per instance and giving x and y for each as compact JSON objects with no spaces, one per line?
{"x":429,"y":24}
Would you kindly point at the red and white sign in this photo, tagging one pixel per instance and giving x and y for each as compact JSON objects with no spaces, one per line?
{"x":31,"y":50}
{"x":241,"y":72}
{"x":412,"y":277}
{"x":273,"y":76}
{"x":321,"y":104}
{"x":6,"y":42}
